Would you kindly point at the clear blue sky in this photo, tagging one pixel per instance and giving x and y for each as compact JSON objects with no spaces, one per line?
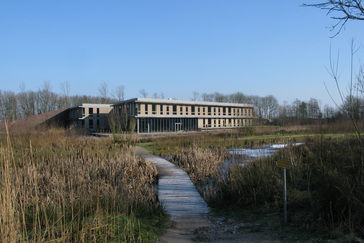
{"x":174,"y":47}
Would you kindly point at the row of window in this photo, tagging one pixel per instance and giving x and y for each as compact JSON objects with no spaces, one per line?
{"x":90,"y":111}
{"x":160,"y":109}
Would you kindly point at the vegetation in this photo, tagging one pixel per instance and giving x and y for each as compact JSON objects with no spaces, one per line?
{"x":324,"y":188}
{"x":56,"y":187}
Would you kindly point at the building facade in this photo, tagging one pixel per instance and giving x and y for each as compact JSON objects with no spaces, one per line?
{"x":92,"y":117}
{"x":166,"y":115}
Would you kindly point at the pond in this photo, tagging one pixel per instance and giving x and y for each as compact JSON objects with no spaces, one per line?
{"x":242,"y":155}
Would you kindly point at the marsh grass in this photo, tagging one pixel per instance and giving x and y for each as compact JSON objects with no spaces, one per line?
{"x":55,"y":187}
{"x":325,"y":187}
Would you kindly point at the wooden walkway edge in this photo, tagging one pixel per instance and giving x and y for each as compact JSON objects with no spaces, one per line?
{"x":187,"y":209}
{"x":175,"y":188}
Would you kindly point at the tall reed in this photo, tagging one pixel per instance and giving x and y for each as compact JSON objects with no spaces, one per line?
{"x":327,"y":181}
{"x":75,"y":189}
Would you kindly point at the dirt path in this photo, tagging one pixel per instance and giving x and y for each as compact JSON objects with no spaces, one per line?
{"x":189,"y":213}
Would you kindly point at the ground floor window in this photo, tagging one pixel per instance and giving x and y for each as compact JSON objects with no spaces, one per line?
{"x":146,"y":125}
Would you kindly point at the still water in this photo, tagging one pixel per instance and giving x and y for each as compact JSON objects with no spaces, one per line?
{"x":242,"y":155}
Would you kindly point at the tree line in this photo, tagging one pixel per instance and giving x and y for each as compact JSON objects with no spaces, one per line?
{"x":266,"y":109}
{"x":269,"y":111}
{"x":28,"y":103}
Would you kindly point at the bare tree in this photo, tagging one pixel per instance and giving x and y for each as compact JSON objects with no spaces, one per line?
{"x":143,"y":93}
{"x":10,"y":105}
{"x":161,"y":95}
{"x":207,"y":97}
{"x":119,"y":93}
{"x":313,"y":109}
{"x":341,"y":10}
{"x":195,"y":95}
{"x":46,"y":101}
{"x":360,"y":81}
{"x":65,"y":88}
{"x":65,"y":100}
{"x":103,"y":92}
{"x":238,"y":97}
{"x":27,"y":101}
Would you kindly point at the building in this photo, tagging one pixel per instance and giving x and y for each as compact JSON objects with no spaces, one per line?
{"x":92,"y":117}
{"x":41,"y":121}
{"x":88,"y":117}
{"x":166,"y":115}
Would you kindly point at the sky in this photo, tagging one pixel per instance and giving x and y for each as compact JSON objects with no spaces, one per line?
{"x":175,"y":47}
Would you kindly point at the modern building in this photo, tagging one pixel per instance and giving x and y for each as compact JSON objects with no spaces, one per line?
{"x":167,"y":115}
{"x":42,"y":121}
{"x":92,"y":117}
{"x":88,"y":117}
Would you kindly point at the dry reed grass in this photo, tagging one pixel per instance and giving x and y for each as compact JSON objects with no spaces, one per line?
{"x":55,"y":187}
{"x":201,"y":163}
{"x":327,"y":182}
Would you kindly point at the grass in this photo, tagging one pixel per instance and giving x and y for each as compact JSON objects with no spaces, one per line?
{"x":324,"y":188}
{"x":234,"y":138}
{"x":59,"y":188}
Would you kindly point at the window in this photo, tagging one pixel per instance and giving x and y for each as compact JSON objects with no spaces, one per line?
{"x":146,"y":108}
{"x":161,"y":109}
{"x":91,"y":124}
{"x":83,"y":111}
{"x":153,"y":108}
{"x":90,"y":111}
{"x":98,"y":112}
{"x":174,"y":110}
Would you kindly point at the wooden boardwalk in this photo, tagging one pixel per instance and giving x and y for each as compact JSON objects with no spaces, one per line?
{"x":175,"y":188}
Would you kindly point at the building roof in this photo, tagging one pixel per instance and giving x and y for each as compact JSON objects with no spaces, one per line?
{"x":31,"y":122}
{"x":181,"y":102}
{"x":88,"y":105}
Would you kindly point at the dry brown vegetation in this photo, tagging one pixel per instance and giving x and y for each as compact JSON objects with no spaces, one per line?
{"x":55,"y":187}
{"x":325,"y":187}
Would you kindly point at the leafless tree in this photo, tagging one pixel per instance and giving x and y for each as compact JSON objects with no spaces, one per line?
{"x":104,"y":92}
{"x":46,"y":100}
{"x":10,"y":105}
{"x":119,"y":93}
{"x":65,"y":88}
{"x":143,"y":93}
{"x":341,"y":10}
{"x":360,"y":81}
{"x":207,"y":97}
{"x":195,"y":96}
{"x":313,"y":109}
{"x":64,"y":99}
{"x":27,"y":102}
{"x":239,"y":97}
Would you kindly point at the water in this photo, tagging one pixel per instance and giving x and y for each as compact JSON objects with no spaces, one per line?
{"x":241,"y":155}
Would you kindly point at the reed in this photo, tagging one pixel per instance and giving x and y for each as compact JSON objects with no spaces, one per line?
{"x":55,"y":187}
{"x":326,"y":184}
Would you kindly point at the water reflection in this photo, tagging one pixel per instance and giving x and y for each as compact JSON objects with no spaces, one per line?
{"x":242,"y":155}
